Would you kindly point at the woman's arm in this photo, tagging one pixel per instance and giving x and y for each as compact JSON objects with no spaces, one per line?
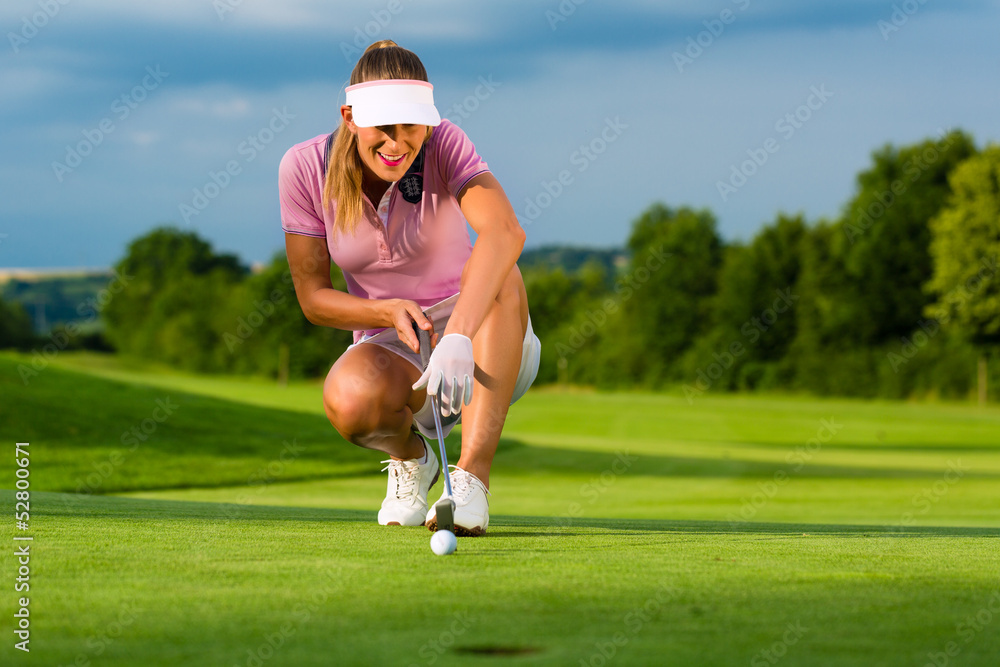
{"x":498,"y":245}
{"x":309,"y":262}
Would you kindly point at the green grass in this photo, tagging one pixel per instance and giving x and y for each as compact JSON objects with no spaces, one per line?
{"x":635,"y":524}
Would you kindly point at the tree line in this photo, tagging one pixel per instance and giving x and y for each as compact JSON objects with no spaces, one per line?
{"x":202,"y":311}
{"x":897,"y":297}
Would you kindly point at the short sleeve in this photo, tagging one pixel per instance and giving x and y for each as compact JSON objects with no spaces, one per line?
{"x":297,"y":195}
{"x":457,"y":158}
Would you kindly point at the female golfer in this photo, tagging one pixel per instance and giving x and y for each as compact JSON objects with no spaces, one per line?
{"x":386,"y":197}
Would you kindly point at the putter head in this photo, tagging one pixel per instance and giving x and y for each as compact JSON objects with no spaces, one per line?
{"x":444,"y":510}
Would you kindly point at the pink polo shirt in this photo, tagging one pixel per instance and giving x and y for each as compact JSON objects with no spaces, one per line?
{"x":419,"y":251}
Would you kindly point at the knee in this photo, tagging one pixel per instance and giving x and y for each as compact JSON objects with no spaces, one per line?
{"x":351,"y":405}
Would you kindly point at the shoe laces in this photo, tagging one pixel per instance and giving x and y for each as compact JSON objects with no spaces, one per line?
{"x":462,"y":484}
{"x":404,"y":473}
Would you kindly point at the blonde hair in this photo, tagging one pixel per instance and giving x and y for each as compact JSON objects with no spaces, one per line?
{"x":382,"y":60}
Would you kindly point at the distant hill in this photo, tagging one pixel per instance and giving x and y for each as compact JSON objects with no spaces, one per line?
{"x":571,"y":258}
{"x":55,"y":296}
{"x":34,"y":275}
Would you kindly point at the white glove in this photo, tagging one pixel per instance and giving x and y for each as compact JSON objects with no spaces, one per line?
{"x":449,"y":373}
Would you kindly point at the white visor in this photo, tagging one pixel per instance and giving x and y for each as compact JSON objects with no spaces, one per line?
{"x":393,"y":102}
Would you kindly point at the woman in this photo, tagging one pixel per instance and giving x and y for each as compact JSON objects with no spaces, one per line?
{"x":387,"y":197}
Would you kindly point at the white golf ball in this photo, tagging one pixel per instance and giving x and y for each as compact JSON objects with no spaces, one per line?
{"x":443,"y":542}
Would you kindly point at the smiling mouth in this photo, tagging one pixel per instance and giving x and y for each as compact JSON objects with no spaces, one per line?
{"x":392,"y":160}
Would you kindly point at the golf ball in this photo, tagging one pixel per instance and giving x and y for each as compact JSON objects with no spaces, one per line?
{"x":443,"y":542}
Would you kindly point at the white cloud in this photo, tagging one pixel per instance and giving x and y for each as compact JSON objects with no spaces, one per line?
{"x":32,"y":82}
{"x":211,"y":101}
{"x":411,"y":19}
{"x":144,"y":139}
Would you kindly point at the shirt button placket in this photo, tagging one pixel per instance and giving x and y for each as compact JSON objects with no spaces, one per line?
{"x":383,"y":247}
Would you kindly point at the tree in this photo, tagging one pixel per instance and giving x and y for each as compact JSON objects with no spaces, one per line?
{"x":15,"y":326}
{"x":265,"y":318}
{"x":824,"y":317}
{"x":557,"y":301}
{"x":173,"y":288}
{"x":666,"y":291}
{"x":553,"y":296}
{"x":965,"y":249}
{"x":887,"y":261}
{"x":754,"y":311}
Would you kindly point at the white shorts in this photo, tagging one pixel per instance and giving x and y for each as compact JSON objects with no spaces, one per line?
{"x":439,"y":314}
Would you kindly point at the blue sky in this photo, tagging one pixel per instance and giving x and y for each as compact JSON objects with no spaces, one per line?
{"x":120,"y":116}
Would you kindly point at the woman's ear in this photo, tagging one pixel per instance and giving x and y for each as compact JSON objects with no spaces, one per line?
{"x":348,"y":117}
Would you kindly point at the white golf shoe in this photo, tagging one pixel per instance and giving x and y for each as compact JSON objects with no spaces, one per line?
{"x":472,"y":507}
{"x":405,"y":501}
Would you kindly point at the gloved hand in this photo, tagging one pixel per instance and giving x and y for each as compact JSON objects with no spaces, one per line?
{"x":449,"y":373}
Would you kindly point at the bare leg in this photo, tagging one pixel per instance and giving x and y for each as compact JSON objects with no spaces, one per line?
{"x":497,"y":351}
{"x":369,"y":400}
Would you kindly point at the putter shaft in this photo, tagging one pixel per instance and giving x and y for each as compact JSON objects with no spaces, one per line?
{"x":444,"y":508}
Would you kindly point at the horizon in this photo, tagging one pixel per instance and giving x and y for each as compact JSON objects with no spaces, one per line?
{"x":29,"y":273}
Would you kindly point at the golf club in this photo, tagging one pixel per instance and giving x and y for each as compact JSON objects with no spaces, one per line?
{"x":444,"y":509}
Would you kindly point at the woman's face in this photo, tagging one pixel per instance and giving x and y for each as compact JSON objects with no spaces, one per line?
{"x":387,"y":151}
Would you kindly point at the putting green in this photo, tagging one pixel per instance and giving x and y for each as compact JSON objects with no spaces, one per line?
{"x":625,"y":529}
